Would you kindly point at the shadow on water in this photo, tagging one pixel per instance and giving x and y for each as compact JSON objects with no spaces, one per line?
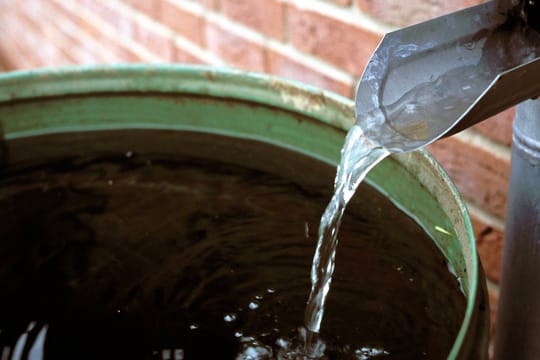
{"x":3,"y":148}
{"x":46,"y":245}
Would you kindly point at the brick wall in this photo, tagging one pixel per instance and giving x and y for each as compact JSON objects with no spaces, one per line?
{"x":321,"y":42}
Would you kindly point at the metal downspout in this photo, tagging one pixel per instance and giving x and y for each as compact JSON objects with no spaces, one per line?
{"x":518,"y":320}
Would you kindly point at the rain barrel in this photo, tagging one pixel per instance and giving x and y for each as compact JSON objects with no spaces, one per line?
{"x":250,"y":106}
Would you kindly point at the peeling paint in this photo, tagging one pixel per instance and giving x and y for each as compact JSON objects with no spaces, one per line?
{"x":300,"y":99}
{"x":314,"y":101}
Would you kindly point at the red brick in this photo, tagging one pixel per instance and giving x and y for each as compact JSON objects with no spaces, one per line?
{"x":144,"y":33}
{"x":493,"y":307}
{"x":79,"y":18}
{"x":209,"y":4}
{"x":402,"y":13}
{"x":43,"y":43}
{"x":498,"y":127}
{"x":265,"y":16}
{"x":479,"y":175}
{"x":73,"y":50}
{"x":189,"y":25}
{"x":180,"y":56}
{"x":82,"y":50}
{"x":341,"y":2}
{"x":67,"y":50}
{"x":116,"y":18}
{"x":344,"y":45}
{"x":14,"y":48}
{"x":489,"y":242}
{"x":59,"y":9}
{"x":15,"y":53}
{"x":234,"y":49}
{"x":121,"y":51}
{"x":155,"y":41}
{"x":58,"y":47}
{"x":122,"y":24}
{"x":279,"y":64}
{"x":149,"y":7}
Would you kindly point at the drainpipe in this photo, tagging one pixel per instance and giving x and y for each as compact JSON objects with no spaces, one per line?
{"x":518,"y":320}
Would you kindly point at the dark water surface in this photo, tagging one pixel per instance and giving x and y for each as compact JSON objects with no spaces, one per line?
{"x":155,"y":245}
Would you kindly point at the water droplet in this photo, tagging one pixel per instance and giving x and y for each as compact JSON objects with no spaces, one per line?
{"x":165,"y":354}
{"x":230,"y":317}
{"x":238,"y":334}
{"x":254,"y":351}
{"x":253,"y":305}
{"x":469,"y":45}
{"x":110,"y":182}
{"x":270,"y":290}
{"x":411,"y":280}
{"x":412,"y":108}
{"x":367,"y":352}
{"x":399,"y":268}
{"x":129,"y":154}
{"x":258,"y":297}
{"x":193,"y":327}
{"x":282,"y":343}
{"x":118,"y":311}
{"x":466,"y":87}
{"x":179,"y":354}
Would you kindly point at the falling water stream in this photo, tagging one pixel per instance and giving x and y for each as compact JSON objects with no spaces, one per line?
{"x":358,"y":156}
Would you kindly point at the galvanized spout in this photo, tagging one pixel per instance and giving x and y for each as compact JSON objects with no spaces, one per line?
{"x":444,"y":75}
{"x":436,"y":78}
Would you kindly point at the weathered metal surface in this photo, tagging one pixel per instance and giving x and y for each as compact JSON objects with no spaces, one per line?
{"x":518,"y":320}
